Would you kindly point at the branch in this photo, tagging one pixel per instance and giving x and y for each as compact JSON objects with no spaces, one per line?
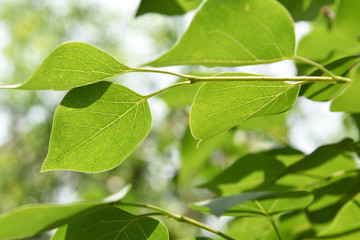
{"x":193,"y":79}
{"x":177,"y":217}
{"x":267,"y":215}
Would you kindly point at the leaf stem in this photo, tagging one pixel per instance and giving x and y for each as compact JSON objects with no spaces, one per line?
{"x":162,"y":71}
{"x":193,"y":79}
{"x":322,"y":68}
{"x":164,"y":89}
{"x":177,"y":217}
{"x":268,"y":216}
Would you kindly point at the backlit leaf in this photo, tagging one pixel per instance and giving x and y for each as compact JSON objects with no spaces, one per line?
{"x":273,"y":204}
{"x":321,"y":163}
{"x":112,"y":223}
{"x":70,"y":65}
{"x":253,"y":171}
{"x":96,"y":127}
{"x":332,"y":39}
{"x":233,"y":33}
{"x":219,"y":206}
{"x":346,"y":225}
{"x":219,"y":106}
{"x":324,"y":91}
{"x":27,"y":221}
{"x":242,"y":205}
{"x":348,"y":101}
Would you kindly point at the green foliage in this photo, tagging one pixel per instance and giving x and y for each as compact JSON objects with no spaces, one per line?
{"x":212,"y":113}
{"x":270,"y":35}
{"x":346,"y":102}
{"x":96,"y":127}
{"x":27,"y":221}
{"x":325,"y":91}
{"x":250,"y":204}
{"x":112,"y":223}
{"x":71,"y":65}
{"x":274,"y":192}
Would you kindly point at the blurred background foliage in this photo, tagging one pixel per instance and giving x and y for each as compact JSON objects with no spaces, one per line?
{"x":167,"y":168}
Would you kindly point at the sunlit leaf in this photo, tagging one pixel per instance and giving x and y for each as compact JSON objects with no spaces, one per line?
{"x":253,"y":228}
{"x":253,"y":171}
{"x":241,"y":205}
{"x":233,"y":33}
{"x":112,"y":223}
{"x":320,"y":164}
{"x":96,"y":127}
{"x":324,"y":91}
{"x":193,"y":157}
{"x":219,"y":206}
{"x":332,"y":39}
{"x":219,"y":106}
{"x":272,"y":125}
{"x":73,"y":64}
{"x":330,"y":198}
{"x":292,"y":225}
{"x":29,"y":220}
{"x":348,"y":101}
{"x":346,"y":225}
{"x":273,"y":204}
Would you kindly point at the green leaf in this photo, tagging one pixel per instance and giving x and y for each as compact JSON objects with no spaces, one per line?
{"x":193,"y":158}
{"x":319,"y":165}
{"x":254,"y":228}
{"x":273,"y":125}
{"x":233,"y":33}
{"x":73,"y":64}
{"x":346,"y":225}
{"x":330,"y":198}
{"x":27,"y":221}
{"x":292,"y":225}
{"x":219,"y":206}
{"x":273,"y":204}
{"x":197,"y":238}
{"x":167,"y":7}
{"x":332,"y":39}
{"x":242,"y":205}
{"x":96,"y":127}
{"x":112,"y":223}
{"x":348,"y":101}
{"x":253,"y":171}
{"x":219,"y":106}
{"x":324,"y":91}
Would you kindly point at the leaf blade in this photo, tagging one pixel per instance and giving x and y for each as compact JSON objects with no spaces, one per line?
{"x":70,"y":65}
{"x":210,"y":42}
{"x":112,"y":223}
{"x":29,"y":220}
{"x":96,"y":132}
{"x":212,"y":114}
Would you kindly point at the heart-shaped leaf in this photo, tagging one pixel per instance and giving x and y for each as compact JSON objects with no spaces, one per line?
{"x":96,"y":127}
{"x":219,"y":106}
{"x":113,"y":223}
{"x":233,"y":33}
{"x":73,"y":64}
